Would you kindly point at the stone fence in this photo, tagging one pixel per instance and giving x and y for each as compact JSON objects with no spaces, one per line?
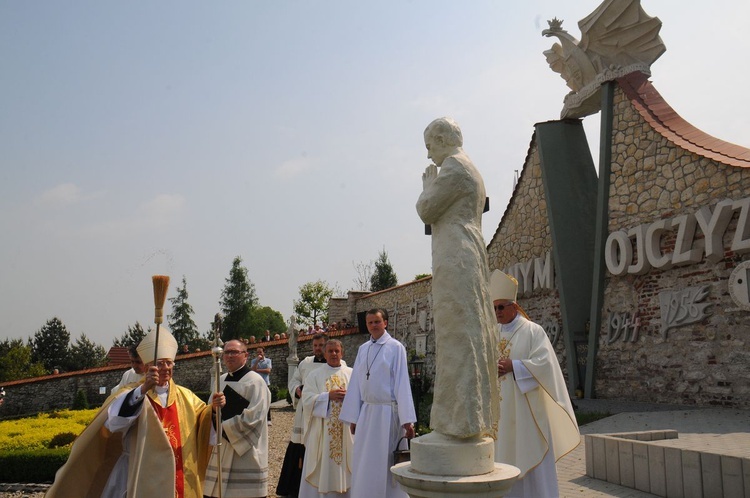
{"x":193,"y":370}
{"x":641,"y":461}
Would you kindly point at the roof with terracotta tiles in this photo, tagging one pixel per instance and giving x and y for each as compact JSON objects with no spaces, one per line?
{"x":118,"y":355}
{"x":660,"y":115}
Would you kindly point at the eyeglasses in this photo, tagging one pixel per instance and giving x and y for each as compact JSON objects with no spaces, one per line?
{"x":501,"y":307}
{"x":164,"y":364}
{"x":234,"y":353}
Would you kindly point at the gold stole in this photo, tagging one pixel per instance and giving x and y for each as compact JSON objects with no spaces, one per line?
{"x":335,"y":426}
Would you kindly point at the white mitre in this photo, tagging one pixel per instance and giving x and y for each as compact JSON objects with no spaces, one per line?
{"x":167,"y":345}
{"x":503,"y":287}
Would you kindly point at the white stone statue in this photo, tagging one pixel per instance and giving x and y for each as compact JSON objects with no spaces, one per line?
{"x":291,"y":334}
{"x":465,"y":402}
{"x":618,"y":38}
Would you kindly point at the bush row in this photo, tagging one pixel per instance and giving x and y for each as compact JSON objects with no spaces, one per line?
{"x":34,"y":466}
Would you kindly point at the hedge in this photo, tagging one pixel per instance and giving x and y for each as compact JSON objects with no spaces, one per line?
{"x":33,"y":466}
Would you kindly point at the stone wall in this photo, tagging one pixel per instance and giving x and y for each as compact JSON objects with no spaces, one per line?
{"x":53,"y":392}
{"x":703,"y":363}
{"x":409,"y":307}
{"x":338,"y":309}
{"x":524,"y":235}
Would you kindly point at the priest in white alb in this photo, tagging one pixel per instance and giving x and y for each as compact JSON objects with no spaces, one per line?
{"x":380,"y":409}
{"x":537,"y":422}
{"x":326,"y":472}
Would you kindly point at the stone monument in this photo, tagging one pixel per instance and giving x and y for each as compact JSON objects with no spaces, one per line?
{"x":292,"y":360}
{"x":618,"y":38}
{"x":457,"y":458}
{"x":291,"y":334}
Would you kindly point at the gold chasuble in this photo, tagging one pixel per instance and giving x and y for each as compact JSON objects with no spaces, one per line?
{"x":168,"y":448}
{"x":187,"y":425}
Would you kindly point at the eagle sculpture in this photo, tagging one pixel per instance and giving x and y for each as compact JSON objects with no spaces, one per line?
{"x":618,"y":38}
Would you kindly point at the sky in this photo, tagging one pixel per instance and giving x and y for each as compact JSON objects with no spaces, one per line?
{"x":141,"y":138}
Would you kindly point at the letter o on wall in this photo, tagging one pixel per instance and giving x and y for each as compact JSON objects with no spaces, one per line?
{"x":618,"y":253}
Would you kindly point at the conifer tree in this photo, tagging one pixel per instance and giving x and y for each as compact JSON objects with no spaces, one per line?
{"x":85,"y":354}
{"x":50,"y":345}
{"x":132,"y":337}
{"x":237,"y":302}
{"x":181,"y":321}
{"x":383,"y":277}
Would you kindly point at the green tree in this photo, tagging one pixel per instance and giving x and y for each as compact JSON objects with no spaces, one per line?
{"x":85,"y":354}
{"x":50,"y":345}
{"x":420,"y":276}
{"x":312,"y":306}
{"x":181,"y":321}
{"x":15,"y":361}
{"x":264,"y":318}
{"x":383,"y":277}
{"x":132,"y":337}
{"x":237,"y":302}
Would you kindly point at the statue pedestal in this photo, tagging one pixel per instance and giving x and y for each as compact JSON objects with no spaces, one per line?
{"x":291,"y":364}
{"x":444,"y":466}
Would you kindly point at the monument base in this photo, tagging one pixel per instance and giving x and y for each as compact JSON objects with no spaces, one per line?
{"x":438,"y":454}
{"x":449,"y":466}
{"x":491,"y":485}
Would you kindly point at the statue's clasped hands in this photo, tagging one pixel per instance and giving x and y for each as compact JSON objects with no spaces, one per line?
{"x":429,"y":175}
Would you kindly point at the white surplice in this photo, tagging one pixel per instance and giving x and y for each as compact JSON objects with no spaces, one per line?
{"x":298,"y":380}
{"x":328,"y":441}
{"x":380,"y":405}
{"x":537,"y":422}
{"x":244,"y":445}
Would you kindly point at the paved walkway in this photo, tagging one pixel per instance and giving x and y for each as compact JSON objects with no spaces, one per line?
{"x":725,"y":430}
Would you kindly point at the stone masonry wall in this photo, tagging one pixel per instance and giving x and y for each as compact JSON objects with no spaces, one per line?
{"x":338,"y":309}
{"x":523,"y":235}
{"x":55,"y":392}
{"x":704,"y":363}
{"x":409,"y":307}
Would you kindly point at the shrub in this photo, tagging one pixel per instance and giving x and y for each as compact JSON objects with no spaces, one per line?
{"x":37,"y":432}
{"x":61,"y":439}
{"x":274,"y":392}
{"x":37,"y":466}
{"x":81,"y":402}
{"x":282,"y":393}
